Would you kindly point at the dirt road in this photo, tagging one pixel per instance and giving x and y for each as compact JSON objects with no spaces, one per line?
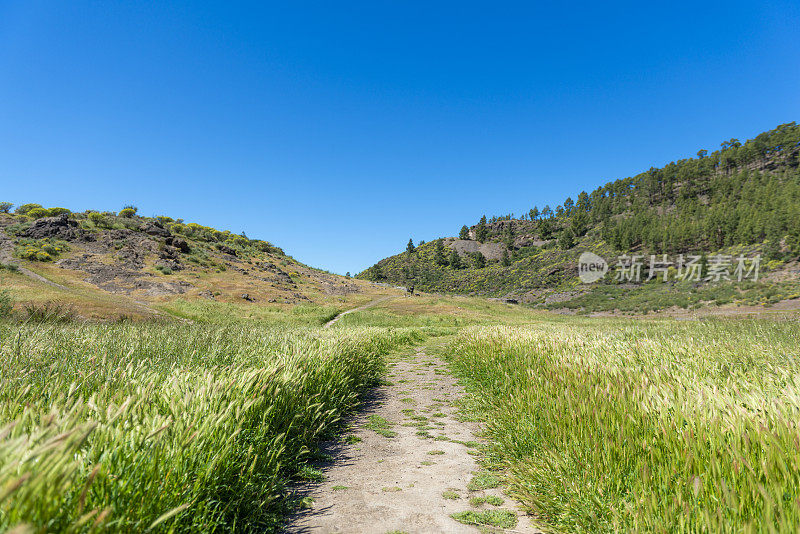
{"x":408,"y":463}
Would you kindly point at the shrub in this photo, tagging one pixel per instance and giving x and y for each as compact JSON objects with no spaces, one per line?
{"x":127,"y":213}
{"x":58,"y":211}
{"x":28,"y":253}
{"x":97,"y":219}
{"x":40,"y":250}
{"x":38,"y":213}
{"x":51,"y":249}
{"x":165,"y":269}
{"x":5,"y":207}
{"x":25,"y":208}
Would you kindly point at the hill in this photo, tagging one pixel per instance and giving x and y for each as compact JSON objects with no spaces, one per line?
{"x":112,"y":265}
{"x":742,"y":200}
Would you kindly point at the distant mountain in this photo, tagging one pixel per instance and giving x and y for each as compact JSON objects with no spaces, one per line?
{"x":740,"y":200}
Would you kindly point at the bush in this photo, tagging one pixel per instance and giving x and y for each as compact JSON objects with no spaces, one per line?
{"x":97,"y":219}
{"x":40,"y":250}
{"x":58,"y":211}
{"x":38,"y":213}
{"x":25,"y":208}
{"x":127,"y":213}
{"x":5,"y":207}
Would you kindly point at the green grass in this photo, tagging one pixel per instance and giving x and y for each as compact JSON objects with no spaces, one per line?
{"x":178,"y":427}
{"x":310,"y":474}
{"x":655,"y":426}
{"x":483,"y":480}
{"x":450,"y":495}
{"x":381,"y":426}
{"x":494,"y":500}
{"x":492,"y":518}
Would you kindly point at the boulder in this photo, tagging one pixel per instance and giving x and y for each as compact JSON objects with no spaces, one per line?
{"x":179,"y":243}
{"x":225,"y":249}
{"x":59,"y":227}
{"x":155,"y":228}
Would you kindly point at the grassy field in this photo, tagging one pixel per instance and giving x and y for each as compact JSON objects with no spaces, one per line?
{"x":170,"y":427}
{"x":598,"y":425}
{"x":648,"y":426}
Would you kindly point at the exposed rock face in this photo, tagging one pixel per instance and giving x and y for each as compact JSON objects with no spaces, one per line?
{"x":491,"y":251}
{"x":178,"y":243}
{"x":155,"y":229}
{"x":225,"y":249}
{"x":121,"y":278}
{"x":59,"y":227}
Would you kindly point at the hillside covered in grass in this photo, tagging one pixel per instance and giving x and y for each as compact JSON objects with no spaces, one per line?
{"x":122,"y":264}
{"x":743,"y":199}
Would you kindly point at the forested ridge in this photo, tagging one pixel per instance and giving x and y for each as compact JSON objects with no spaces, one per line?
{"x":743,"y":194}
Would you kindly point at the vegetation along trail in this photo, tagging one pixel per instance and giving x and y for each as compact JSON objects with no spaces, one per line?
{"x":408,"y":463}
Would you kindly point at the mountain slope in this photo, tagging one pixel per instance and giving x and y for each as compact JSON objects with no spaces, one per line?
{"x":105,"y":265}
{"x":742,"y":198}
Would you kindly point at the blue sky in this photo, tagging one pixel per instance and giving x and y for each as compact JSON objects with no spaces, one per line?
{"x":338,"y":130}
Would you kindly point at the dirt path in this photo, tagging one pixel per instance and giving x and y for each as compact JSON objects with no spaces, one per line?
{"x":364,"y":307}
{"x":407,"y":463}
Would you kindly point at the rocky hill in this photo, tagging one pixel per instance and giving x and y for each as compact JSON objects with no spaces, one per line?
{"x":742,"y":200}
{"x":121,"y":264}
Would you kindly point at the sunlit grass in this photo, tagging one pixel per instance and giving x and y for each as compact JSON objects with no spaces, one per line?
{"x":643,"y":426}
{"x":171,"y":426}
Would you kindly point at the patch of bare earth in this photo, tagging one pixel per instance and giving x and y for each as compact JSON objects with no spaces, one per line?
{"x":406,"y":463}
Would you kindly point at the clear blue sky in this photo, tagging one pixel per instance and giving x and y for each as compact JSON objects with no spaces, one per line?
{"x":337,"y":130}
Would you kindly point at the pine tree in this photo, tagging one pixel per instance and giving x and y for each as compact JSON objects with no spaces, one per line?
{"x":479,"y":259}
{"x":464,"y":233}
{"x":481,"y":231}
{"x":439,"y":255}
{"x":410,"y":247}
{"x":545,"y":228}
{"x":568,"y":205}
{"x":506,"y":260}
{"x":455,"y":259}
{"x":567,"y":239}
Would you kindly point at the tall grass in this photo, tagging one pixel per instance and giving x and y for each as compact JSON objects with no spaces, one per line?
{"x":649,"y":427}
{"x":168,"y":427}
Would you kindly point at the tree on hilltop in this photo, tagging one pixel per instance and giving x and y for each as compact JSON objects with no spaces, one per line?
{"x":481,"y":231}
